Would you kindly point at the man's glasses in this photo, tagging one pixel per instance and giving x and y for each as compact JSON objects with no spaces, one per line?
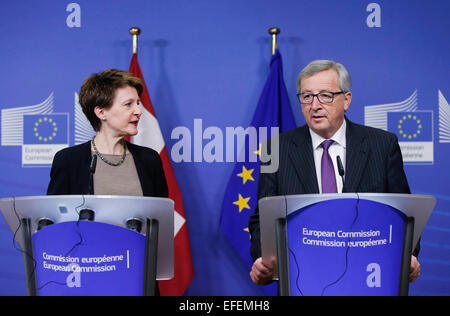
{"x":323,"y":97}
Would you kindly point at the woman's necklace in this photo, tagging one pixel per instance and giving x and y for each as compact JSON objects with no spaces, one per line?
{"x":114,"y":164}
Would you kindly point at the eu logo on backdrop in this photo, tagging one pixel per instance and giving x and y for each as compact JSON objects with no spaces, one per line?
{"x":415,"y":134}
{"x":39,"y":131}
{"x":43,"y":136}
{"x":45,"y":129}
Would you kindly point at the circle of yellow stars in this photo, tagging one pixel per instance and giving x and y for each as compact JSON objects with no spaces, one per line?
{"x":403,"y":120}
{"x":44,"y":120}
{"x":246,"y":175}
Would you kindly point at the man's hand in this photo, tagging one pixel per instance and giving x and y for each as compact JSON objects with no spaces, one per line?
{"x":414,"y":272}
{"x":262,"y":272}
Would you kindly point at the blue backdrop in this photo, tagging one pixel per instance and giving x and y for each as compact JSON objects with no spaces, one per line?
{"x":209,"y":60}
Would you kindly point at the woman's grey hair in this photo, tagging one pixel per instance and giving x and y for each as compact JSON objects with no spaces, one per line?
{"x":345,"y":81}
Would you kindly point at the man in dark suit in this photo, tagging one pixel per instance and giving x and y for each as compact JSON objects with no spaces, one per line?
{"x":308,"y":154}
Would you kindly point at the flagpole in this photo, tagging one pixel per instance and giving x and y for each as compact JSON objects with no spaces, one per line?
{"x":150,"y":136}
{"x":135,"y":31}
{"x":274,"y":31}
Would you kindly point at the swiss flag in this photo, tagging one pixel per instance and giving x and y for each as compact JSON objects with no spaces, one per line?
{"x":150,"y":136}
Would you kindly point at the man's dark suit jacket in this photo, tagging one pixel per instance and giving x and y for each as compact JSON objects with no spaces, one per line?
{"x":70,"y":171}
{"x":373,"y":164}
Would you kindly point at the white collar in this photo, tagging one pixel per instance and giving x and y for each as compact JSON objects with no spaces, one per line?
{"x":338,"y":137}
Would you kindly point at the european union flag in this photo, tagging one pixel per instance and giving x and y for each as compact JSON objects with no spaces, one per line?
{"x":411,"y":126}
{"x":240,"y":199}
{"x":45,"y":129}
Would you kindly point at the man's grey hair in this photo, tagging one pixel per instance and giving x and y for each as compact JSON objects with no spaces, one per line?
{"x":345,"y":81}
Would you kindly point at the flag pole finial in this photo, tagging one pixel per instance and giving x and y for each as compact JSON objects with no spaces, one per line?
{"x":135,"y":31}
{"x":274,"y":31}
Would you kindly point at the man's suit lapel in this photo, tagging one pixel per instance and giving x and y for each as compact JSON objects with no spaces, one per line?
{"x":302,"y":157}
{"x":357,"y":155}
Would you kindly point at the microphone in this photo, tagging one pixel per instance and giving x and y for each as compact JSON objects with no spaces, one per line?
{"x":93,"y":164}
{"x":92,"y":167}
{"x":341,"y":171}
{"x":87,"y":214}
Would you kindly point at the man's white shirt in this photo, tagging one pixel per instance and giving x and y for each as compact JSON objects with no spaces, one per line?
{"x":337,"y":148}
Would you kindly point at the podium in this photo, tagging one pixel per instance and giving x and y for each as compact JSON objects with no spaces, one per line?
{"x":342,"y":244}
{"x":93,"y":244}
